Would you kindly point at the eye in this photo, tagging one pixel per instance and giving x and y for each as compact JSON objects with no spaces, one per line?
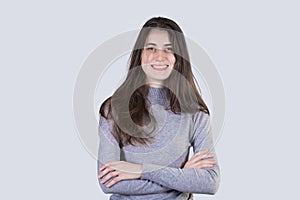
{"x":150,"y":49}
{"x":169,"y":49}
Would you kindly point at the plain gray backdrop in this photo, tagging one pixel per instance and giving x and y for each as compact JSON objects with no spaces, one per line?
{"x":254,"y":44}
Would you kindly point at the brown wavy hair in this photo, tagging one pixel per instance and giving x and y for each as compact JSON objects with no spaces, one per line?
{"x":125,"y":107}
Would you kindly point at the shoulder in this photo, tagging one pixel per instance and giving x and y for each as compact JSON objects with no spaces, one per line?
{"x":105,"y":127}
{"x":201,"y":127}
{"x":105,"y":114}
{"x":200,"y":118}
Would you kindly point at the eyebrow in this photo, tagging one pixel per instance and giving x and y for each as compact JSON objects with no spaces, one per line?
{"x":150,"y":43}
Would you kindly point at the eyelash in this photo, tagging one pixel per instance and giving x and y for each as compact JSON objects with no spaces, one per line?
{"x":168,"y":49}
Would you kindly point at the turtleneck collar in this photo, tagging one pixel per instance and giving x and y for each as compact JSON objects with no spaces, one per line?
{"x":158,"y":95}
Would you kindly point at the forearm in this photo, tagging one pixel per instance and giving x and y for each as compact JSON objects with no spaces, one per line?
{"x":190,"y":180}
{"x":132,"y":187}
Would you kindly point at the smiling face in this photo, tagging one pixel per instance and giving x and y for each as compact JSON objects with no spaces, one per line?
{"x":157,"y":57}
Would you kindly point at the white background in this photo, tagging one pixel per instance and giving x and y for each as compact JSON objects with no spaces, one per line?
{"x":254,"y":44}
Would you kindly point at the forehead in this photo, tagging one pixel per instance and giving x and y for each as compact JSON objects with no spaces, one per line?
{"x":158,"y":36}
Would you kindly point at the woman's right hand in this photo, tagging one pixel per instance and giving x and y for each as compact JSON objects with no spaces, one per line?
{"x":199,"y":160}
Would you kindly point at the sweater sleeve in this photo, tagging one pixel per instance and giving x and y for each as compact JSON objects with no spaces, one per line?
{"x":109,"y":151}
{"x":190,"y":180}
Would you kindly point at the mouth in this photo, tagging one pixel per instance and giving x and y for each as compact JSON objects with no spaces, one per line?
{"x":159,"y":67}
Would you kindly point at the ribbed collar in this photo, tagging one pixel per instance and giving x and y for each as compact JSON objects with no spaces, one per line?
{"x":158,"y":94}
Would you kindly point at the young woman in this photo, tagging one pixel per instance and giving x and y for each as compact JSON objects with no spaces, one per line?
{"x":148,"y":125}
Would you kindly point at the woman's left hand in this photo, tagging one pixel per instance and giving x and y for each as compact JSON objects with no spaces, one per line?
{"x":119,"y":170}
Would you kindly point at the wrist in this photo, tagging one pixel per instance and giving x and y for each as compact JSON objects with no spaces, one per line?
{"x":140,"y":169}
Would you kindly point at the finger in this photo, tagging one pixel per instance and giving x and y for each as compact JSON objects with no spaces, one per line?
{"x":105,"y":179}
{"x":210,"y":162}
{"x":206,"y":162}
{"x":201,"y":163}
{"x":198,"y":158}
{"x":104,"y":172}
{"x":109,"y":176}
{"x":207,"y":156}
{"x":102,"y":167}
{"x":114,"y":181}
{"x":201,"y":152}
{"x":198,"y":161}
{"x":205,"y":166}
{"x":105,"y":166}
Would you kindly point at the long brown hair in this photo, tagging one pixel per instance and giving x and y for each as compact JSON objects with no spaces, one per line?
{"x":183,"y":94}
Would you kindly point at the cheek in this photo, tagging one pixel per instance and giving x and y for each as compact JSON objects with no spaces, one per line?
{"x":172,"y":60}
{"x":144,"y":58}
{"x":144,"y":61}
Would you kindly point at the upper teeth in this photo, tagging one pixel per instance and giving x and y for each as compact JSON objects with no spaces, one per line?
{"x":162,"y":66}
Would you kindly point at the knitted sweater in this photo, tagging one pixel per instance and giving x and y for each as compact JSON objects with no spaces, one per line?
{"x":163,"y":176}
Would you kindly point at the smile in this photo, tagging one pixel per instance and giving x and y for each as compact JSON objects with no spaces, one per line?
{"x":162,"y":67}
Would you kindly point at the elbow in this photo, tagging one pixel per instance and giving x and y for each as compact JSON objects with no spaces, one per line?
{"x":105,"y":191}
{"x":210,"y":184}
{"x":213,"y":188}
{"x":104,"y":188}
{"x":213,"y":183}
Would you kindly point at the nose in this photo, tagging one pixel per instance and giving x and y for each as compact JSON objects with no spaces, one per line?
{"x":160,"y":54}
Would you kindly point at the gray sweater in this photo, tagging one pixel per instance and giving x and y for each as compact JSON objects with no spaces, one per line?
{"x":163,"y":176}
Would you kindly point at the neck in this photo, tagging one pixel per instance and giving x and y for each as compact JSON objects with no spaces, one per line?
{"x":156,"y":84}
